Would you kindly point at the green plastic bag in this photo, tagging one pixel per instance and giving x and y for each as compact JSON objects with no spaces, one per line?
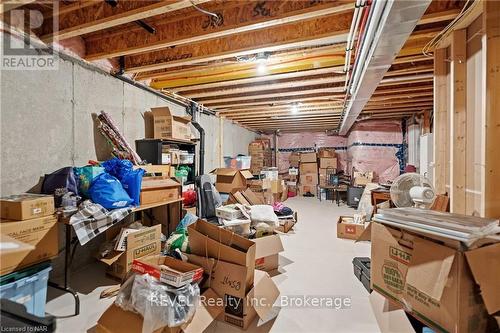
{"x":178,"y":240}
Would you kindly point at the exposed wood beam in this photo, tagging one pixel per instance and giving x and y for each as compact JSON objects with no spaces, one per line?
{"x":236,"y":20}
{"x":322,"y":31}
{"x":108,"y":17}
{"x":279,"y":102}
{"x":459,"y":119}
{"x":441,"y":16}
{"x":7,"y":5}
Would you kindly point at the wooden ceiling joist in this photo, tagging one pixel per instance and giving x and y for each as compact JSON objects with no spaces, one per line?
{"x":102,"y":16}
{"x":247,"y":17}
{"x":7,"y":5}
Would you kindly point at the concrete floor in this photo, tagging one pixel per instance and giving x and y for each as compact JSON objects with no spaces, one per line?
{"x":315,"y":263}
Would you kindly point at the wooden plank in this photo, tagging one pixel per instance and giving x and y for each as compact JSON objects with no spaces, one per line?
{"x":108,"y":17}
{"x":491,"y":24}
{"x":247,"y":17}
{"x":325,"y":30}
{"x":435,"y":17}
{"x":459,"y":119}
{"x":7,"y":5}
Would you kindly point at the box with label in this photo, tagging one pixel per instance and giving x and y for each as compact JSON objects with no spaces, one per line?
{"x":41,"y":232}
{"x":308,"y":168}
{"x":168,"y":270}
{"x":267,"y":252}
{"x":444,"y":284}
{"x":144,"y":242}
{"x":308,"y":158}
{"x":26,"y":206}
{"x":328,"y":163}
{"x":168,"y":126}
{"x":346,"y":228}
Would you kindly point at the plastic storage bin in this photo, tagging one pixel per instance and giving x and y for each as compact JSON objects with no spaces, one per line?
{"x":239,"y":162}
{"x":361,"y":267}
{"x":27,"y":287}
{"x":186,"y":158}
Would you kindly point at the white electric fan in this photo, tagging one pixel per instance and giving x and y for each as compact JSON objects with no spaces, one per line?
{"x":412,"y":190}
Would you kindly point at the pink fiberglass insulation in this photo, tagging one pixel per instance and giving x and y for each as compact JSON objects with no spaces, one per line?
{"x":370,"y":146}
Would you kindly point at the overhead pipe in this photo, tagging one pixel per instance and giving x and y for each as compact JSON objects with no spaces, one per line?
{"x":358,"y":10}
{"x":193,"y":110}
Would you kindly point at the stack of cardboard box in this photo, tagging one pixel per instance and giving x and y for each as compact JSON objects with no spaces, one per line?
{"x":294,"y":160}
{"x":327,"y":161}
{"x":29,"y":218}
{"x":308,"y":169}
{"x":260,"y":151}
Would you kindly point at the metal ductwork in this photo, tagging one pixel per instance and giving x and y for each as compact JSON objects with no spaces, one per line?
{"x":389,"y":25}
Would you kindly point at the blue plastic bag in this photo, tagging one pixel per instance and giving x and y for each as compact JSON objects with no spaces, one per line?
{"x":131,"y":179}
{"x":107,"y":191}
{"x":85,"y":175}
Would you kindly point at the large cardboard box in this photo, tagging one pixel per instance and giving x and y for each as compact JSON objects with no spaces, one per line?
{"x":41,"y":232}
{"x":362,"y":178}
{"x":159,"y":189}
{"x":309,"y":179}
{"x":26,"y":206}
{"x":267,"y":252}
{"x":347,"y":229}
{"x":206,"y":239}
{"x":12,"y":251}
{"x":294,"y":160}
{"x":139,"y":244}
{"x":325,"y":152}
{"x":448,"y":287}
{"x":230,"y":180}
{"x":308,"y":168}
{"x":308,"y":158}
{"x":307,"y":188}
{"x":166,"y":125}
{"x":259,"y":301}
{"x":327,"y":163}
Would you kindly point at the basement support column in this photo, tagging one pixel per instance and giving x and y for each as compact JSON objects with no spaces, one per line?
{"x":441,"y":134}
{"x":458,"y":120}
{"x":491,"y":26}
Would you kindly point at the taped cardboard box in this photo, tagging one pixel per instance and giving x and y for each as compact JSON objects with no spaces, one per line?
{"x":26,"y":206}
{"x":306,"y":188}
{"x":308,"y":168}
{"x":308,"y":158}
{"x":230,"y":180}
{"x":325,"y":152}
{"x":327,"y":162}
{"x":139,"y":244}
{"x":168,"y":270}
{"x":41,"y":232}
{"x":160,"y":190}
{"x":309,"y":179}
{"x":346,"y":228}
{"x":206,"y":239}
{"x":166,"y":126}
{"x":267,"y":252}
{"x":12,"y":251}
{"x":449,"y":288}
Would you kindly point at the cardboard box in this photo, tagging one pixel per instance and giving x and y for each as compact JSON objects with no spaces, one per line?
{"x":449,"y":288}
{"x":258,"y":301}
{"x":325,"y":152}
{"x":159,"y":190}
{"x":117,"y":320}
{"x":206,"y":239}
{"x":308,"y":168}
{"x":168,"y":126}
{"x":41,"y":232}
{"x":347,"y":229}
{"x":328,"y":163}
{"x":267,"y":252}
{"x":12,"y":252}
{"x":303,"y":189}
{"x":26,"y":206}
{"x":294,"y":159}
{"x":154,"y":170}
{"x":308,"y":158}
{"x":252,"y":198}
{"x":309,"y":179}
{"x":168,"y":270}
{"x":139,"y":244}
{"x":228,"y":212}
{"x":230,"y":180}
{"x":362,"y":178}
{"x":277,"y":186}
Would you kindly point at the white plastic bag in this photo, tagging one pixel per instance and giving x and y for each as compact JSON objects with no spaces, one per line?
{"x":263,"y":213}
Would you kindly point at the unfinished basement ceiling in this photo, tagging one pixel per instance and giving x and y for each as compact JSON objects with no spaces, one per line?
{"x":268,"y":65}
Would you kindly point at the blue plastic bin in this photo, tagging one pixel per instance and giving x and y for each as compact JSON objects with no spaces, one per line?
{"x":27,"y":287}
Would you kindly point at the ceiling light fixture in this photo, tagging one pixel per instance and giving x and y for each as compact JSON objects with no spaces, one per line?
{"x":295,"y":108}
{"x":261,"y":59}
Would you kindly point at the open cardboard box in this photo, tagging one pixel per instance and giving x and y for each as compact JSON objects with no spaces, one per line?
{"x":117,"y":320}
{"x":161,"y":124}
{"x":437,"y":280}
{"x":231,"y":180}
{"x":139,"y":244}
{"x":267,"y":252}
{"x":349,"y":230}
{"x":206,"y":239}
{"x":168,"y":270}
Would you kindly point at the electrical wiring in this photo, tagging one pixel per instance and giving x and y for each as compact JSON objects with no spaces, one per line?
{"x":427,"y":49}
{"x":217,"y":17}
